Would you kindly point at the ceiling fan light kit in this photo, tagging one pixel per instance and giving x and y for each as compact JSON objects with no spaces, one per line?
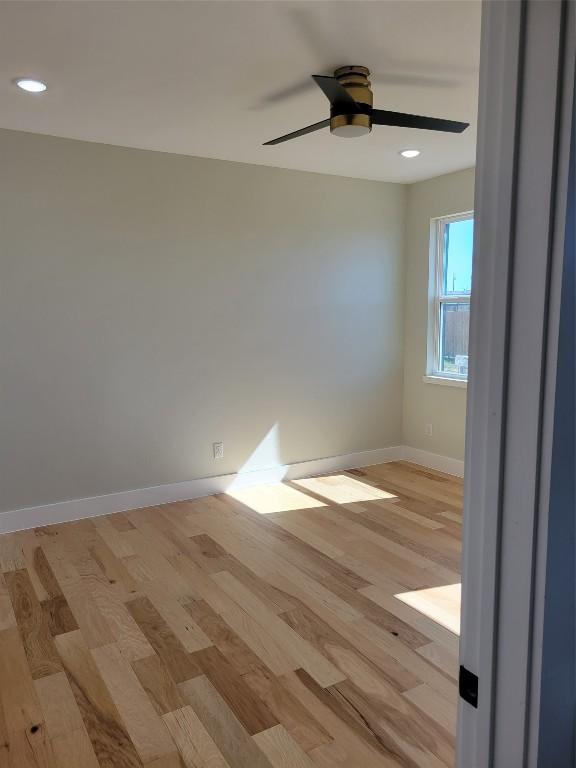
{"x":355,"y":81}
{"x":352,"y":113}
{"x":350,"y":126}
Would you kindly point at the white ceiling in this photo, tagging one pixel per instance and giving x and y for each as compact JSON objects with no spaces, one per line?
{"x":216,"y":78}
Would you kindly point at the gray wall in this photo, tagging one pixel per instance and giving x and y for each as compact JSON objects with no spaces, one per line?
{"x":442,"y":406}
{"x":151,"y":304}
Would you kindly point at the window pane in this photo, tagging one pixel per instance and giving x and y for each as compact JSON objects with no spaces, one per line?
{"x":454,"y":321}
{"x":458,"y":236}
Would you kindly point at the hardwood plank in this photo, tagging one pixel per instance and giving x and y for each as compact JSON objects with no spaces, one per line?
{"x":169,"y":761}
{"x":242,"y":658}
{"x":120,"y":521}
{"x":298,"y":721}
{"x":204,"y":585}
{"x":344,"y":655}
{"x":210,"y":549}
{"x":44,"y":574}
{"x":107,"y":600}
{"x":118,"y":544}
{"x":386,"y":723}
{"x":276,"y":600}
{"x":442,"y":657}
{"x":420,"y":622}
{"x":407,"y":566}
{"x":408,"y":658}
{"x":322,"y":600}
{"x":7,"y":617}
{"x":303,"y":531}
{"x":177,"y":515}
{"x":396,"y":516}
{"x":61,"y":713}
{"x":281,"y":749}
{"x":293,"y":645}
{"x":159,"y":686}
{"x":74,"y":750}
{"x":292,"y":714}
{"x":194,"y":743}
{"x":224,"y":728}
{"x":455,"y":517}
{"x":58,"y":615}
{"x":11,"y":555}
{"x":331,"y":755}
{"x":112,"y":567}
{"x":262,"y":644}
{"x":112,"y":745}
{"x":4,"y":733}
{"x":89,"y":619}
{"x":179,"y":663}
{"x":146,"y":542}
{"x":248,"y":708}
{"x":20,"y":706}
{"x":129,"y":637}
{"x":435,"y":547}
{"x":435,"y":706}
{"x":297,"y":552}
{"x":31,"y":749}
{"x":143,"y":724}
{"x":39,"y":571}
{"x":347,"y":747}
{"x":33,"y":625}
{"x":178,"y":619}
{"x":377,"y":614}
{"x":375,"y":646}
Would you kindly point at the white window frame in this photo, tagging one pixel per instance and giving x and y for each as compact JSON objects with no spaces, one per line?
{"x":434,"y":373}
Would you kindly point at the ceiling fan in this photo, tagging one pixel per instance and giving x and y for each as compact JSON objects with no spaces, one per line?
{"x":351,"y":111}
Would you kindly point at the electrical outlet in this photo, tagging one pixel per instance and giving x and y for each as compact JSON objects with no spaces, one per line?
{"x":428,"y":430}
{"x":218,"y":450}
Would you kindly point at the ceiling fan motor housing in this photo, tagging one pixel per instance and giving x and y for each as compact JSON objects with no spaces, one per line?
{"x":355,"y":80}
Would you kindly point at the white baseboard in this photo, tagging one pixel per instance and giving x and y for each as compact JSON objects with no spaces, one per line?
{"x":65,"y":511}
{"x":433,"y":460}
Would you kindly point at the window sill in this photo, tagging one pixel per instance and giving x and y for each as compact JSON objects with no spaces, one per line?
{"x":445,"y":381}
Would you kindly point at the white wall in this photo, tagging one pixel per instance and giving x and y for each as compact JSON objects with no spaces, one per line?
{"x":424,"y":403}
{"x":151,"y":304}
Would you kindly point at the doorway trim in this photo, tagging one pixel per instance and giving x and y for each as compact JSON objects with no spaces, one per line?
{"x":525,"y":119}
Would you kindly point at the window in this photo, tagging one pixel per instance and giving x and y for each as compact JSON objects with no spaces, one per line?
{"x":450,"y":286}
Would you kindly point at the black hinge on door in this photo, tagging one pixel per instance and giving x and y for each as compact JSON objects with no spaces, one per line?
{"x":468,"y":686}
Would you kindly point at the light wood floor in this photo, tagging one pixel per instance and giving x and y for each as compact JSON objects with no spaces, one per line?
{"x":309,"y":624}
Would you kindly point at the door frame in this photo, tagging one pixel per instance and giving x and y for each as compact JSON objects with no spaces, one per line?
{"x":523,"y":157}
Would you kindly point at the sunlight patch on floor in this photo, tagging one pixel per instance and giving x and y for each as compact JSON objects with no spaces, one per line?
{"x":276,"y":497}
{"x":342,"y":489}
{"x":441,"y":604}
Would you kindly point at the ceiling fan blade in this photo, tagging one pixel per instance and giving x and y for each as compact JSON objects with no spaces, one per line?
{"x":336,"y":94}
{"x":283,"y":94}
{"x":301,"y":132}
{"x":404,"y":120}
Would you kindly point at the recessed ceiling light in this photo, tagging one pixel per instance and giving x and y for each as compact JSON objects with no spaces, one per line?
{"x":410,"y":152}
{"x":30,"y":85}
